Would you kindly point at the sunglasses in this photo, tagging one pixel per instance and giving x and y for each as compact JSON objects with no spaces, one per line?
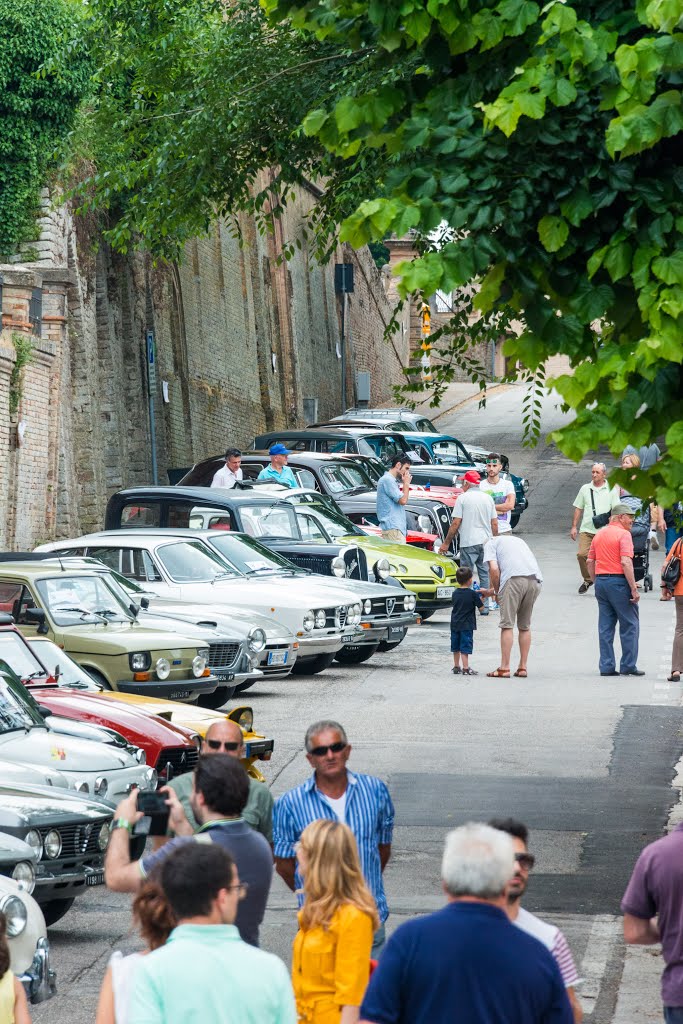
{"x":222,"y":745}
{"x":492,"y":462}
{"x":525,"y":860}
{"x":336,"y":748}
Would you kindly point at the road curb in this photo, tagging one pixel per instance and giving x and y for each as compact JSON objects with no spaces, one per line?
{"x":490,"y":388}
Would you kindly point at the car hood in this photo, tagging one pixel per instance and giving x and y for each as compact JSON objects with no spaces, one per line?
{"x":417,"y":560}
{"x":35,"y":805}
{"x":23,"y":774}
{"x":188,"y":716}
{"x":239,"y":620}
{"x":346,"y":589}
{"x":274,"y":593}
{"x":118,"y":637}
{"x":138,"y":726}
{"x":39,"y":747}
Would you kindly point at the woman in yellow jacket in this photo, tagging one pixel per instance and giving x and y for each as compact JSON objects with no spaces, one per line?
{"x":331,"y":962}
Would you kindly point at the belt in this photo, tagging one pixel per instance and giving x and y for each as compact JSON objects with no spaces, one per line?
{"x":610,"y":575}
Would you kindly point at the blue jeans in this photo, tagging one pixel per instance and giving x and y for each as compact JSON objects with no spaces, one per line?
{"x":673,"y":1014}
{"x":670,"y":537}
{"x":614,"y":605}
{"x":473,"y":558}
{"x":378,"y":942}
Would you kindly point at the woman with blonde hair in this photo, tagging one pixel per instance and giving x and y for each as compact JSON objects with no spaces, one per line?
{"x":331,"y":962}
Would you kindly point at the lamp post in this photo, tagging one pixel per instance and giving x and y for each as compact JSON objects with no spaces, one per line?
{"x":343,"y":285}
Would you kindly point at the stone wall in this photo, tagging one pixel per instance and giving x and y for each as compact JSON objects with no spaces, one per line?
{"x":242,"y":338}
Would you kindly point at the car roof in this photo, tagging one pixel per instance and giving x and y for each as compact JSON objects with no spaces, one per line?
{"x":239,"y":495}
{"x":431,"y":436}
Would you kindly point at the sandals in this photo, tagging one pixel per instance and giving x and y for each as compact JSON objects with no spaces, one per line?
{"x":521,"y":673}
{"x":499,"y":673}
{"x":469,"y":672}
{"x":675,"y":677}
{"x":456,"y":670}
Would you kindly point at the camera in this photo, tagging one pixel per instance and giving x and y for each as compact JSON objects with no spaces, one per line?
{"x":153,"y":805}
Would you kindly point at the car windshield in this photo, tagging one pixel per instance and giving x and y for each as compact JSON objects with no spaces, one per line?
{"x":426,"y":426}
{"x":271,"y":520}
{"x":384,"y":446}
{"x":450,"y":450}
{"x":18,"y":710}
{"x":332,"y":522}
{"x":191,"y":561}
{"x":340,"y":478}
{"x":68,"y":673}
{"x":14,"y":651}
{"x":76,"y":600}
{"x":374,"y":468}
{"x":251,"y":557}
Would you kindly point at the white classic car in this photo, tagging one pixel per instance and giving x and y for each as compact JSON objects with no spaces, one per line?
{"x":29,"y":946}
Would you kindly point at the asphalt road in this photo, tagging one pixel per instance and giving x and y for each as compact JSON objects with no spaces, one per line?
{"x":587,"y":762}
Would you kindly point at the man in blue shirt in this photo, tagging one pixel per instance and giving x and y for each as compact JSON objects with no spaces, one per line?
{"x":392,"y":494}
{"x":468,"y":961}
{"x":278,"y":470}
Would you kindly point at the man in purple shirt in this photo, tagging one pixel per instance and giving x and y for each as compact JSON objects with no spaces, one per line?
{"x":653,"y":912}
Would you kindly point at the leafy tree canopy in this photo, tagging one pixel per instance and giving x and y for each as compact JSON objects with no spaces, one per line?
{"x":542,"y":147}
{"x":43,"y":77}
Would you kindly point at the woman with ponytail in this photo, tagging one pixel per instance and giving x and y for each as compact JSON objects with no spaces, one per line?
{"x":13,"y":1001}
{"x":331,"y":963}
{"x":155,"y":922}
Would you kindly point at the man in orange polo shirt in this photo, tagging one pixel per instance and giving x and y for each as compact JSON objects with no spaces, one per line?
{"x":610,"y":566}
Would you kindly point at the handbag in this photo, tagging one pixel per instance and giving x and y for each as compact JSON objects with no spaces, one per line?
{"x":604,"y":517}
{"x":671,"y":573}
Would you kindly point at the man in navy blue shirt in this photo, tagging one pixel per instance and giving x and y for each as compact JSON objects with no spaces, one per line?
{"x":468,"y":962}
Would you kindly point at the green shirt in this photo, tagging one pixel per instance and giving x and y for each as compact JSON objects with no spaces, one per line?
{"x":205,"y":974}
{"x":258,"y":813}
{"x":605,"y":498}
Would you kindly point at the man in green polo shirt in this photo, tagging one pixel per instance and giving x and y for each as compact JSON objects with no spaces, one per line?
{"x":226,"y":738}
{"x":594,"y":499}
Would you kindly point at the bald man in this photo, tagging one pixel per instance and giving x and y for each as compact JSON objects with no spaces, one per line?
{"x":226,"y":738}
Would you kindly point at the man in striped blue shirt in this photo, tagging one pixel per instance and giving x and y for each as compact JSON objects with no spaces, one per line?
{"x":360,"y":801}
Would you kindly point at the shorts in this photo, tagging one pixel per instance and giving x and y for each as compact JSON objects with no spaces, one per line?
{"x":462,"y":641}
{"x":395,"y":535}
{"x":517,"y":601}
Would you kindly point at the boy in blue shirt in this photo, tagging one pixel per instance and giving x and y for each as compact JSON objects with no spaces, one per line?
{"x":464,"y":620}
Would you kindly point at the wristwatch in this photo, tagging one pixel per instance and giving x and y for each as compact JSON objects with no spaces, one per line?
{"x":122,"y":823}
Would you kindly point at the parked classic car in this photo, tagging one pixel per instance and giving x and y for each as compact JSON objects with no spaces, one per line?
{"x":338,"y":440}
{"x":29,"y":946}
{"x":417,"y":420}
{"x":76,"y":609}
{"x":68,"y":835}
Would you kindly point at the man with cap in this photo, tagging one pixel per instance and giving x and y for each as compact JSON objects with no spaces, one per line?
{"x":610,"y":566}
{"x":278,"y":470}
{"x":476,"y":519}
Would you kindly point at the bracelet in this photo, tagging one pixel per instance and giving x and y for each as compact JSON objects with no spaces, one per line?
{"x":122,"y":823}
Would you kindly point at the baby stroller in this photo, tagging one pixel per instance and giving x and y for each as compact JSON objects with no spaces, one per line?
{"x":640,"y":534}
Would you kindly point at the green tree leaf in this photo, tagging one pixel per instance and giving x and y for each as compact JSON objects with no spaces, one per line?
{"x":553,"y":232}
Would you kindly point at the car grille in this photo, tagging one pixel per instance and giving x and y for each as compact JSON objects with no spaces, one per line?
{"x":315,"y":563}
{"x":381,"y":606}
{"x":356,"y":564}
{"x":181,"y":759}
{"x":78,"y":840}
{"x":223,"y":655}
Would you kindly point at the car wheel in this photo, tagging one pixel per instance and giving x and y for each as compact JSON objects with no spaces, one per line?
{"x":355,"y":654}
{"x":425,"y":615}
{"x":311,"y":666}
{"x":514,"y":519}
{"x":241,"y":687}
{"x":56,"y":909}
{"x":386,"y":646}
{"x":218,"y":698}
{"x":99,"y":678}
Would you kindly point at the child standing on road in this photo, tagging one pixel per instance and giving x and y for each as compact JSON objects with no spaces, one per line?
{"x":464,"y":621}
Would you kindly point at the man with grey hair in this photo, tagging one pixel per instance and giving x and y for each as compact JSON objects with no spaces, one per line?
{"x":592,"y":508}
{"x":360,"y":801}
{"x":468,"y":960}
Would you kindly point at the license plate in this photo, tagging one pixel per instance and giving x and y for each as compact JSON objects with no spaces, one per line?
{"x":395,"y":631}
{"x":277,"y":657}
{"x":444,"y":592}
{"x":225,"y":677}
{"x":96,"y":878}
{"x":180,"y":695}
{"x":347,"y":639}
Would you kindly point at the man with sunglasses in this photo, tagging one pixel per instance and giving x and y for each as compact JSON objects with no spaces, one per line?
{"x":228,"y":475}
{"x":226,"y":738}
{"x":551,"y":937}
{"x":360,"y":801}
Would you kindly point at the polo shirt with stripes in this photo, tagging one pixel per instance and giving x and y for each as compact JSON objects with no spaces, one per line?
{"x":369,"y":813}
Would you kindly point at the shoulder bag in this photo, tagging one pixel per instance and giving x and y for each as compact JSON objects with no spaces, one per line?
{"x":604,"y":517}
{"x":671,"y":573}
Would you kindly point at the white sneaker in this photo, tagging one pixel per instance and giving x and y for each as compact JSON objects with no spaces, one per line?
{"x":654,"y":543}
{"x":493,"y":605}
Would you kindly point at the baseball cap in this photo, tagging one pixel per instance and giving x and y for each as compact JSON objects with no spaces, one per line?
{"x":278,"y":449}
{"x":472,"y":477}
{"x":623,"y":510}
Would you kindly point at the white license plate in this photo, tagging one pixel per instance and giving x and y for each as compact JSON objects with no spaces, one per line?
{"x":96,"y":878}
{"x":347,"y":639}
{"x":395,"y":631}
{"x":180,"y":695}
{"x":444,"y":592}
{"x":277,"y":657}
{"x":225,"y":677}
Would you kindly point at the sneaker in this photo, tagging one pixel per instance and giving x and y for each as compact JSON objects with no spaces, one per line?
{"x":585,"y":587}
{"x":484,"y":610}
{"x":493,"y":605}
{"x":654,"y":543}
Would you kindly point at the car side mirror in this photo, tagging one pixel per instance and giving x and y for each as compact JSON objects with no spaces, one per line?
{"x":38,"y":616}
{"x":134,"y":608}
{"x":144,"y":603}
{"x":45,"y":712}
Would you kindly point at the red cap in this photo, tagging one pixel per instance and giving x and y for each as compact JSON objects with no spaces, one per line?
{"x":472,"y":477}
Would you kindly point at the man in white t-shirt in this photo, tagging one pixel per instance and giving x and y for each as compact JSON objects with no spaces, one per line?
{"x":502,"y":493}
{"x":228,"y":475}
{"x":475,"y":519}
{"x":516,"y":580}
{"x":551,"y":937}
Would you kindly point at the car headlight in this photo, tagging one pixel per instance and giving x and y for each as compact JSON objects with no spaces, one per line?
{"x":244,"y":718}
{"x":140,"y":756}
{"x":338,"y":566}
{"x":82,"y":787}
{"x":409,"y":602}
{"x":525,"y":484}
{"x":367,"y":606}
{"x":320,"y":619}
{"x":140,"y":661}
{"x":455,"y":479}
{"x":309,"y":621}
{"x":24,"y":875}
{"x":198,"y":666}
{"x":356,"y":612}
{"x":53,"y":844}
{"x":103,"y":837}
{"x":437,"y":544}
{"x":101,"y":787}
{"x":162,"y":668}
{"x":256,"y":640}
{"x":150,"y":778}
{"x":14,"y":910}
{"x":381,"y":568}
{"x":424,"y":523}
{"x":34,"y":840}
